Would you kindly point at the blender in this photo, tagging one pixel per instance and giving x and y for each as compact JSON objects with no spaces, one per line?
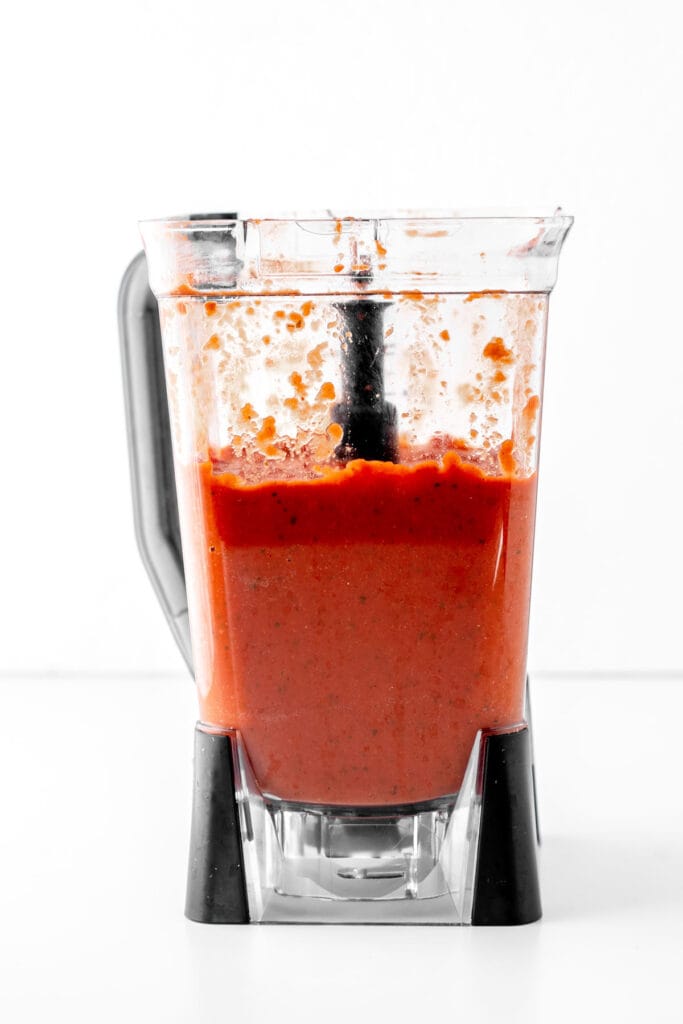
{"x":334,"y":432}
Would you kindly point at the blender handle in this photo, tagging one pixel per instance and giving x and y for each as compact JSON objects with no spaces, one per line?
{"x":155,"y":502}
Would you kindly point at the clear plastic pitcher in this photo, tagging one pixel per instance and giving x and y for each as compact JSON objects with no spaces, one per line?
{"x":355,"y":410}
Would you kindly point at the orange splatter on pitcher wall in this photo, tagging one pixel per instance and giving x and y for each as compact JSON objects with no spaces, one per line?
{"x":497,"y":351}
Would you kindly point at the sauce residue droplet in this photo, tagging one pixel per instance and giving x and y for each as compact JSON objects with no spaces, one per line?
{"x":486,"y":294}
{"x":531,"y":408}
{"x":248,"y":413}
{"x":266,"y":434}
{"x":414,"y":233}
{"x":445,"y":335}
{"x":497,"y":352}
{"x":296,"y":322}
{"x":338,"y":268}
{"x":508,"y":463}
{"x":214,"y":343}
{"x":326,"y":393}
{"x":314,"y":357}
{"x":297,"y":382}
{"x":210,"y":308}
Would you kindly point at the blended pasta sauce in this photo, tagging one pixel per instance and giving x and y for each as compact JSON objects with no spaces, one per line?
{"x":361,"y":626}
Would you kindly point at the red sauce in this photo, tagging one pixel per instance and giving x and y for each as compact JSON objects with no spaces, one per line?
{"x":362,"y":626}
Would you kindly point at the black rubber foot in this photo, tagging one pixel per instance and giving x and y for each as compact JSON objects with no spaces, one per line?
{"x":506,"y":888}
{"x":216,"y":892}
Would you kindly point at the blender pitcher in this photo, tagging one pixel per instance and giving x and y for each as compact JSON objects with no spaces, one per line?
{"x":353,"y":407}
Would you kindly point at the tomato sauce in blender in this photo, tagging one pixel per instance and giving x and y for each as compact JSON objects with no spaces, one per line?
{"x":361,"y":626}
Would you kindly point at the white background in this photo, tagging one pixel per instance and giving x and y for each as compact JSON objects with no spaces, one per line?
{"x":130,"y":110}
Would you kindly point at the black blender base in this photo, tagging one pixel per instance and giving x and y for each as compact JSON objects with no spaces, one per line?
{"x":506,"y":890}
{"x":216,"y":892}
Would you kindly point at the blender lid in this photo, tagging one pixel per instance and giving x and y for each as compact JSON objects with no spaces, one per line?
{"x":309,"y":254}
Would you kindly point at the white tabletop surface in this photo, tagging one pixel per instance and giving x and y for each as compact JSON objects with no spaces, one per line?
{"x":95,"y":780}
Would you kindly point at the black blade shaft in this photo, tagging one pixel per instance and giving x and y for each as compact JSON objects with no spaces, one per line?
{"x":368,"y":420}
